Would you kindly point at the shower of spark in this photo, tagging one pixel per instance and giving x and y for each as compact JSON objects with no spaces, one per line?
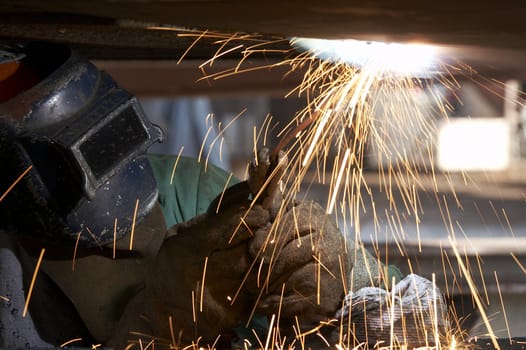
{"x":326,"y":141}
{"x":363,"y":108}
{"x":355,"y":111}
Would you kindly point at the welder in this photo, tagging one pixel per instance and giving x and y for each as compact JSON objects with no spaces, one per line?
{"x":144,"y":248}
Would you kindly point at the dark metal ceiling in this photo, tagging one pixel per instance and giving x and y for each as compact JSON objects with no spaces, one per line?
{"x":467,"y":22}
{"x":490,"y":35}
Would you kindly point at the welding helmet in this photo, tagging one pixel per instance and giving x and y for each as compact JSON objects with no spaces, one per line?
{"x":71,"y":142}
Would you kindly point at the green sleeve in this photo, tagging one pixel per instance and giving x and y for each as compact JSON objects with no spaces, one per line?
{"x":191,"y":189}
{"x":394,"y":271}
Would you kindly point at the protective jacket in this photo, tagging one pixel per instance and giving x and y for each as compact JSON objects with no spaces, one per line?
{"x":81,"y":294}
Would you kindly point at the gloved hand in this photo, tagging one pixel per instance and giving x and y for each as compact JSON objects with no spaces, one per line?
{"x":305,"y":254}
{"x":182,"y":301}
{"x":413,"y":314}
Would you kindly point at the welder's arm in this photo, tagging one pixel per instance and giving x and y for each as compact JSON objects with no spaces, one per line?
{"x":191,"y":293}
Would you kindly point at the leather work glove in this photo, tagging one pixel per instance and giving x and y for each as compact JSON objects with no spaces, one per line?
{"x":265,"y":179}
{"x":412,"y":314}
{"x":306,"y":266}
{"x":182,"y":302}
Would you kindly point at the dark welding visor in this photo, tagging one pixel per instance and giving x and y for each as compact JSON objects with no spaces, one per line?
{"x":82,"y":137}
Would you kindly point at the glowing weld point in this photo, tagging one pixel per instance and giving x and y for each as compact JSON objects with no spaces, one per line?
{"x":453,"y":345}
{"x":394,"y":58}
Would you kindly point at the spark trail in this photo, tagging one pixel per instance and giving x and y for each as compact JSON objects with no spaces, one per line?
{"x":356,"y":111}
